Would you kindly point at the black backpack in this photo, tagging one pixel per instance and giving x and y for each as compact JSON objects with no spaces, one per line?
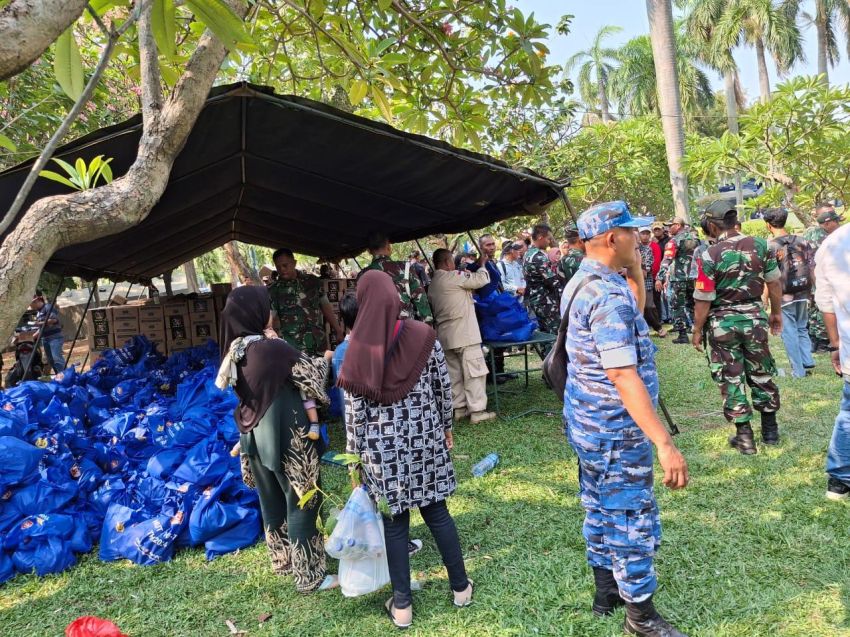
{"x":796,"y":273}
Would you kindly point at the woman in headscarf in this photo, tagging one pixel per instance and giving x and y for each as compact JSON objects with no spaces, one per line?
{"x":398,"y":420}
{"x":274,"y":426}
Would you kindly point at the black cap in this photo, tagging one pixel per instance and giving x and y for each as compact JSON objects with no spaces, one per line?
{"x":719,"y":209}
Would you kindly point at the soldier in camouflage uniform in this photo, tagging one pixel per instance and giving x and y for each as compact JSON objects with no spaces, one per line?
{"x":731,"y":276}
{"x":611,"y":422}
{"x":568,"y":265}
{"x":828,"y":222}
{"x":414,"y":300}
{"x":675,"y":269}
{"x":543,"y":285}
{"x":298,"y":305}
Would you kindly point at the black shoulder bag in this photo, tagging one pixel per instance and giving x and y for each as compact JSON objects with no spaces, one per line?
{"x":555,"y":363}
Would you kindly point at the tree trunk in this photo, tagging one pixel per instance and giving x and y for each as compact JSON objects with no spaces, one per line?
{"x":52,"y":223}
{"x":191,"y":277}
{"x":660,"y":15}
{"x":166,"y":281}
{"x":244,"y":274}
{"x":764,"y":78}
{"x":820,"y":26}
{"x":732,"y":123}
{"x":604,"y":108}
{"x":28,"y":27}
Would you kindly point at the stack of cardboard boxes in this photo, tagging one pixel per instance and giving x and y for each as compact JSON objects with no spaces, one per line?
{"x":173,"y":324}
{"x":335,"y":289}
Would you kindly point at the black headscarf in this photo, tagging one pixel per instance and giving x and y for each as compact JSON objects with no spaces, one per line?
{"x":267,"y":364}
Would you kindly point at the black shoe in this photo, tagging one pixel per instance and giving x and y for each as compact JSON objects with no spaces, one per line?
{"x":743,"y":440}
{"x":642,"y":619}
{"x":769,"y":428}
{"x":501,"y":380}
{"x":836,"y":489}
{"x":682,"y":338}
{"x":607,"y":596}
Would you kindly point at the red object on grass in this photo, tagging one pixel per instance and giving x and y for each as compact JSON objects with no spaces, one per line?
{"x":90,"y":626}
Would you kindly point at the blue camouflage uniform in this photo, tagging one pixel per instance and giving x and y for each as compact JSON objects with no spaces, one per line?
{"x":622,"y":526}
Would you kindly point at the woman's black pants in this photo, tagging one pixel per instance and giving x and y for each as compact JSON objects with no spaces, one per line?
{"x":442,"y":527}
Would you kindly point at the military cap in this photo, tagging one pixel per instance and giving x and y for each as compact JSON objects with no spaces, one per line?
{"x":719,"y":208}
{"x":606,"y":216}
{"x":829,"y":215}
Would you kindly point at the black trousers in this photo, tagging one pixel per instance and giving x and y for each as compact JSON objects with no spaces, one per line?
{"x":396,"y":536}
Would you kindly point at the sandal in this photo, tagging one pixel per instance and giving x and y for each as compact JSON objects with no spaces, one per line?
{"x":461,"y":599}
{"x":330,"y":582}
{"x":389,"y":608}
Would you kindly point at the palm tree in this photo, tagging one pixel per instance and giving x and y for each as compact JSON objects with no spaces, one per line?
{"x":660,"y":15}
{"x":829,"y":15}
{"x":594,"y":75}
{"x":767,"y":26}
{"x":633,"y":83}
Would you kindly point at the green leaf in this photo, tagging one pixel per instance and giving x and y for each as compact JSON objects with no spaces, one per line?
{"x":382,"y":103}
{"x":68,"y":66}
{"x":49,"y":174}
{"x":221,"y":20}
{"x":7,"y":143}
{"x":384,"y":4}
{"x":307,"y":497}
{"x":164,"y":26}
{"x":357,"y":91}
{"x":102,"y":6}
{"x":317,"y":8}
{"x":347,"y":458}
{"x":106,"y":172}
{"x":82,"y":172}
{"x":392,"y":59}
{"x":384,"y":44}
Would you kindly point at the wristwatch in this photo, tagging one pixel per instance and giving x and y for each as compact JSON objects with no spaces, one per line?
{"x":830,"y":348}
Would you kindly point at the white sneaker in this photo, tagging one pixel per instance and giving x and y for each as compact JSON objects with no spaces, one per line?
{"x":413,"y":547}
{"x":481,"y":416}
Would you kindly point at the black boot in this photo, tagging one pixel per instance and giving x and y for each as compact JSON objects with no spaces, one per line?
{"x":682,"y":338}
{"x":743,"y":440}
{"x":769,"y":428}
{"x":642,"y":619}
{"x":607,"y":596}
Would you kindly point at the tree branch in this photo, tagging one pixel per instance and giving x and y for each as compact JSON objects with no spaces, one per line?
{"x":149,"y":66}
{"x":28,"y":28}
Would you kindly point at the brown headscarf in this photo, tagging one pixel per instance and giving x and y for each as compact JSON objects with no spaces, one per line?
{"x":267,"y":364}
{"x":385,"y":356}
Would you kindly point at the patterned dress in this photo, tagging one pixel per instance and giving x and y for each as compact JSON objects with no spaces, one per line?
{"x":403,"y":445}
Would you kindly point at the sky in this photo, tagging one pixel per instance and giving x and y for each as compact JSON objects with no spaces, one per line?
{"x":591,"y":15}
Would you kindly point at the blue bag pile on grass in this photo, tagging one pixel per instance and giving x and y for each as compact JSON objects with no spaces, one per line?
{"x":133,"y":454}
{"x":503,"y":318}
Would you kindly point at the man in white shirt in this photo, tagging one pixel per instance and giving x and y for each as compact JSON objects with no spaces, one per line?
{"x":832,"y":271}
{"x":450,"y":294}
{"x":510,"y":267}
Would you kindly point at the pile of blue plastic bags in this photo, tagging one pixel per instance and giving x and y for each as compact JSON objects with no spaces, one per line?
{"x":133,"y":454}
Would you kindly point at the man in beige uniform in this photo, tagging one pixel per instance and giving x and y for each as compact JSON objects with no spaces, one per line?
{"x":450,"y":294}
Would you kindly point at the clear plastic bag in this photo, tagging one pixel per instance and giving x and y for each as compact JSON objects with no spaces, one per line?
{"x":366,"y":574}
{"x":358,"y":532}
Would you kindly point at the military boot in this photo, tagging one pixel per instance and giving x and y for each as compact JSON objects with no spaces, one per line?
{"x":743,"y":439}
{"x":607,"y":596}
{"x":682,"y":338}
{"x":642,"y":619}
{"x":769,"y":428}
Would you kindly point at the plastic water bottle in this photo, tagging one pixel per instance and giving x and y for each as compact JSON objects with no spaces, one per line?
{"x":487,"y":463}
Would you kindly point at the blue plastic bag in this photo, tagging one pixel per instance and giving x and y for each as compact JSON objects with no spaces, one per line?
{"x":18,"y":461}
{"x":39,"y":543}
{"x":245,"y":533}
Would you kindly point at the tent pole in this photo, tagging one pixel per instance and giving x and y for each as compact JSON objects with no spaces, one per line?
{"x":422,"y":251}
{"x":562,"y":194}
{"x":80,"y":326}
{"x":41,"y":331}
{"x":474,"y":241}
{"x":357,"y":263}
{"x":108,"y":299}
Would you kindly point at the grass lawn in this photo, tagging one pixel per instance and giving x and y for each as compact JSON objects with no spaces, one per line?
{"x":750,"y":548}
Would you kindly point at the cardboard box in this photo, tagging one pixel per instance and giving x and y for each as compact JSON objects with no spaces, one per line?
{"x":125,"y":325}
{"x":101,"y":342}
{"x":175,"y":308}
{"x":202,"y":317}
{"x":157,"y":338}
{"x":179,"y":344}
{"x":334,"y":289}
{"x":121,"y":338}
{"x":98,"y":328}
{"x":174,"y":334}
{"x":150,"y":313}
{"x":202,"y":305}
{"x":98,"y":314}
{"x":175,"y":321}
{"x":117,"y":299}
{"x":204,"y":330}
{"x":150,"y":327}
{"x":130,"y":312}
{"x":198,"y":342}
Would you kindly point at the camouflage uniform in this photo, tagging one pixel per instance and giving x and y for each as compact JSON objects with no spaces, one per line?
{"x":298,"y":304}
{"x":414,"y":301}
{"x":543,"y":289}
{"x":568,"y":265}
{"x":675,"y":268}
{"x":817,"y":328}
{"x":731,"y":275}
{"x":622,"y":526}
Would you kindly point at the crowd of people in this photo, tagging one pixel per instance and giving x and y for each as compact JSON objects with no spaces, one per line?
{"x":411,"y":365}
